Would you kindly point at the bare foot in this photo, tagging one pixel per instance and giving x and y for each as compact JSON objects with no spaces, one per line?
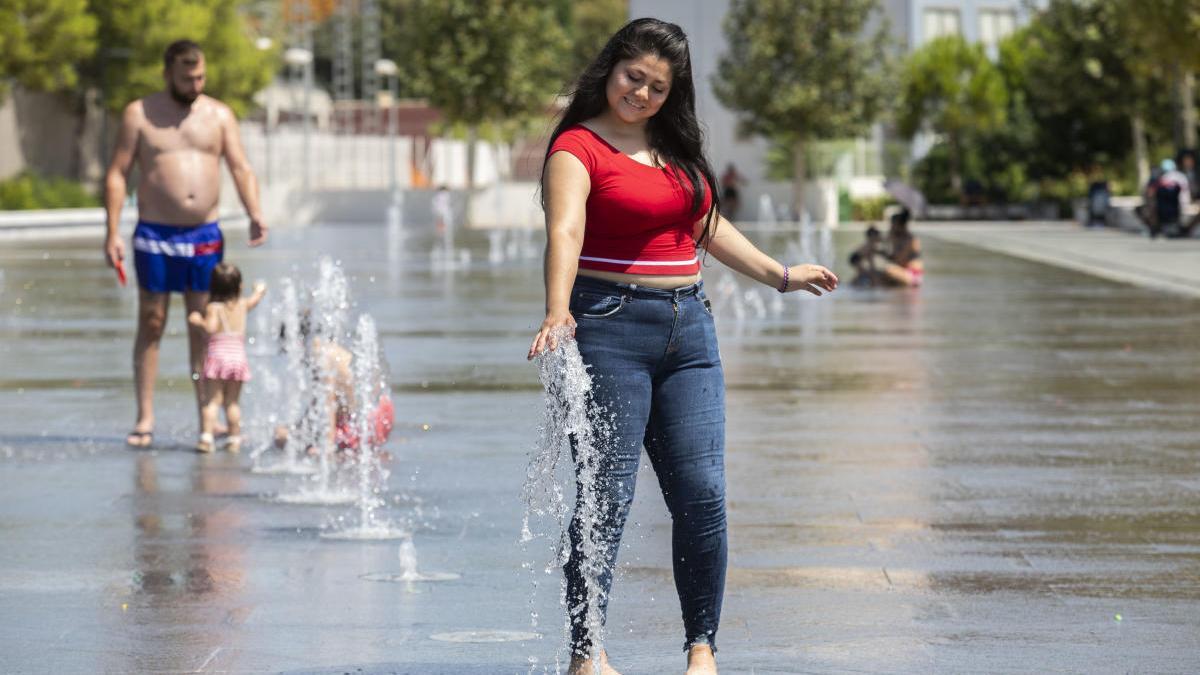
{"x":582,"y":666}
{"x":701,"y":661}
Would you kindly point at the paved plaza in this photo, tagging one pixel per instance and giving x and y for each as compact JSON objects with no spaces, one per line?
{"x":996,"y":473}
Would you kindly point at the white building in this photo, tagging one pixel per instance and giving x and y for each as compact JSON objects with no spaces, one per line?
{"x":911,"y":23}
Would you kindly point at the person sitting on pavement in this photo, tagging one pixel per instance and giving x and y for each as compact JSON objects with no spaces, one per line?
{"x":902,"y":265}
{"x":1171,"y":196}
{"x":864,"y":257}
{"x":1098,"y":200}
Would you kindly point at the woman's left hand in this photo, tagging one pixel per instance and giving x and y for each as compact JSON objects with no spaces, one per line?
{"x":811,"y":278}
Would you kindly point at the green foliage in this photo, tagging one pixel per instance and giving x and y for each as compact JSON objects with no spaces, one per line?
{"x":801,"y":69}
{"x":485,"y":61}
{"x":1169,"y":30}
{"x":953,"y":88}
{"x":1080,"y":76}
{"x":136,"y":32}
{"x":591,"y":24}
{"x":42,"y":40}
{"x":1071,"y":81}
{"x":869,"y":208}
{"x":30,"y":191}
{"x":931,"y":175}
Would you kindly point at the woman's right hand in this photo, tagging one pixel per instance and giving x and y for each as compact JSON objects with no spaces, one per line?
{"x":554,"y":327}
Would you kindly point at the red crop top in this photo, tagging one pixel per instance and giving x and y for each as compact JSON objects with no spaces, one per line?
{"x":639,"y":218}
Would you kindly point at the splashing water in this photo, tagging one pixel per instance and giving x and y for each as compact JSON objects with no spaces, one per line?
{"x":408,"y":568}
{"x":369,"y":388}
{"x":321,"y":370}
{"x":570,"y":421}
{"x":296,"y":380}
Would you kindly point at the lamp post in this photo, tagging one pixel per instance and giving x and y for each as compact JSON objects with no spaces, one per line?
{"x":301,"y":58}
{"x":262,"y":44}
{"x":387,"y":68}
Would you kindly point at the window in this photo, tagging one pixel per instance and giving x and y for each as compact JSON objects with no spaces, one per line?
{"x":995,"y":25}
{"x":939,"y":22}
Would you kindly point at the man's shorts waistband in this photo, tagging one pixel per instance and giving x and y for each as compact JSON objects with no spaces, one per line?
{"x":177,"y":241}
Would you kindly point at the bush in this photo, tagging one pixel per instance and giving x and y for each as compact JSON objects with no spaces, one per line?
{"x":28,"y":190}
{"x":869,"y":208}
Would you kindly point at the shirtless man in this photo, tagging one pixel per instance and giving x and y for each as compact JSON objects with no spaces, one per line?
{"x":177,"y":137}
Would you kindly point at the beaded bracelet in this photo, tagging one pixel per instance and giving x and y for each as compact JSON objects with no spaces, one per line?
{"x":784,"y":286}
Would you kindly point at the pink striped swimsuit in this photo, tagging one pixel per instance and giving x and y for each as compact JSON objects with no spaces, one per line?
{"x":225,"y":357}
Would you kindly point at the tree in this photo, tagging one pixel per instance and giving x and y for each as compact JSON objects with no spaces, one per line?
{"x":484,"y":61}
{"x":135,"y":33}
{"x":1169,"y":32}
{"x":801,"y":70}
{"x":591,"y":25}
{"x":1087,"y":85}
{"x":953,"y":89}
{"x":41,"y":41}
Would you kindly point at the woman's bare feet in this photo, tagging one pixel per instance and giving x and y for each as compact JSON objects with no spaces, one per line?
{"x":701,"y":661}
{"x":582,"y":666}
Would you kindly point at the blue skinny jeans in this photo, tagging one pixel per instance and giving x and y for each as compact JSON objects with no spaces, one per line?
{"x":657,"y":382}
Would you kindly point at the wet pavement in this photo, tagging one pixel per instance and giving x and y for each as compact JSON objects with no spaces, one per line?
{"x":996,"y":473}
{"x":1119,"y":255}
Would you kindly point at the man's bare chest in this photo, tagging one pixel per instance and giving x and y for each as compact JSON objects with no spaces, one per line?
{"x":201,"y":134}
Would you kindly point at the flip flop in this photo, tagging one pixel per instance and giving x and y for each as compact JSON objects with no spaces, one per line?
{"x":233,"y":444}
{"x":139,"y":439}
{"x":204,"y":443}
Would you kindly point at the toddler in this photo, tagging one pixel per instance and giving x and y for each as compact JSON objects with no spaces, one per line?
{"x":225,"y":365}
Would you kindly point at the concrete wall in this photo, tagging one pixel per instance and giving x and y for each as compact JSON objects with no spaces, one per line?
{"x":44,"y":133}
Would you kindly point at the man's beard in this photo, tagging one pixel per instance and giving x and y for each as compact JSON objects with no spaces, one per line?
{"x":181,"y":98}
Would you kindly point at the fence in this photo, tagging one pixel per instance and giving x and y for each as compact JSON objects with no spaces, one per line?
{"x":363,"y":162}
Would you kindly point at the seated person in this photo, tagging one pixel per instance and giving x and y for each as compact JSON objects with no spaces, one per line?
{"x":332,"y":366}
{"x":903,"y":265}
{"x":864,"y":257}
{"x":1171,"y":195}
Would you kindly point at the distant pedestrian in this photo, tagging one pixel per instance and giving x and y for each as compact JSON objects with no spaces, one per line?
{"x":1186,"y":161}
{"x":731,"y":192}
{"x":1098,"y":199}
{"x":443,"y":212}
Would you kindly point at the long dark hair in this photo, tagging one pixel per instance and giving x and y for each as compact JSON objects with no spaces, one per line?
{"x":674,"y":132}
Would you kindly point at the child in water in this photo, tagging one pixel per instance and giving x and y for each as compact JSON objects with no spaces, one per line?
{"x":225,"y":364}
{"x":864,"y":257}
{"x":334,"y":363}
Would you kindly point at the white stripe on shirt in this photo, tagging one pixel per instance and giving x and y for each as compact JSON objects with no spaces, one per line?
{"x":670,"y":263}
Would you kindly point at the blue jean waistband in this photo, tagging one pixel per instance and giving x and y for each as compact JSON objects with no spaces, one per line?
{"x":640,"y":291}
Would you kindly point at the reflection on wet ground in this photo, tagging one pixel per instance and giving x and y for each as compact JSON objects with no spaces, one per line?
{"x":996,"y":473}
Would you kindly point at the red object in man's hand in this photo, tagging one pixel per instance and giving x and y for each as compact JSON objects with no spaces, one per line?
{"x":120,"y":267}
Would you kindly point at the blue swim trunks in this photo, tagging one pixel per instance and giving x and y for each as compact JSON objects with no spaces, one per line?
{"x":174,"y":258}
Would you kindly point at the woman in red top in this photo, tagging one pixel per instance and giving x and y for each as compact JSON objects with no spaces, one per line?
{"x":630,"y":210}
